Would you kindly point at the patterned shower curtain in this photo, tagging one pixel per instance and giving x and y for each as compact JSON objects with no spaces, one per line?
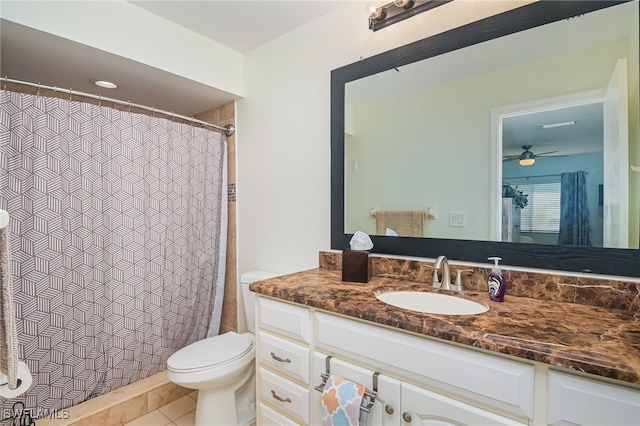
{"x":118,"y":225}
{"x":575,"y":226}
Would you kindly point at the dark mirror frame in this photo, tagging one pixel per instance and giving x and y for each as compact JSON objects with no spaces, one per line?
{"x":610,"y":261}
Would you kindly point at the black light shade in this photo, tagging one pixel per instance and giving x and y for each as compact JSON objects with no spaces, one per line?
{"x":527,"y":158}
{"x":400,"y":10}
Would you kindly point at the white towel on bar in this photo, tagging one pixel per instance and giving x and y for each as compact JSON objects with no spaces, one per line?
{"x":8,"y":335}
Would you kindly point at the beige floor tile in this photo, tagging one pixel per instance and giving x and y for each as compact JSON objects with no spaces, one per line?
{"x":154,"y":418}
{"x":179,"y":407}
{"x":194,"y":395}
{"x":188,"y":419}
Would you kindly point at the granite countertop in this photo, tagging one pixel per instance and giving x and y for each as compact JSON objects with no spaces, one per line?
{"x":591,"y":339}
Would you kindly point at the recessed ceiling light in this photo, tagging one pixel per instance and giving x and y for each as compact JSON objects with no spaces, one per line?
{"x":105,"y":83}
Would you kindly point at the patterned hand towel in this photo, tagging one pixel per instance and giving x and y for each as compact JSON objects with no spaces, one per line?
{"x":8,"y":335}
{"x":341,"y":401}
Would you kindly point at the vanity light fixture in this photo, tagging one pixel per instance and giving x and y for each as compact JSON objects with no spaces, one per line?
{"x":399,"y":10}
{"x":105,"y":83}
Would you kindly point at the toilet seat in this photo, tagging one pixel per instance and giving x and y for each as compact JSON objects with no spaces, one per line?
{"x":209,"y":352}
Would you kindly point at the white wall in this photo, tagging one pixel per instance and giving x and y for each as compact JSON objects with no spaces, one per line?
{"x":121,"y":28}
{"x":283,"y":139}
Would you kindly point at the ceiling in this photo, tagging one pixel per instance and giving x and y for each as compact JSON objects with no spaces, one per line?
{"x":30,"y":55}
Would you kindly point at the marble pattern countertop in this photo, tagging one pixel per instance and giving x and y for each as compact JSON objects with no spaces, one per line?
{"x":591,"y":339}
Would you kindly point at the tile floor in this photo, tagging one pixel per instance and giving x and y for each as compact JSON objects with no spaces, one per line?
{"x":181,"y":412}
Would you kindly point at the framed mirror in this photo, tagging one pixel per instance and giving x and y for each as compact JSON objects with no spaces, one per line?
{"x":434,"y":130}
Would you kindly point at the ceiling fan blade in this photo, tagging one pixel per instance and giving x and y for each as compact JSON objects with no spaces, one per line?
{"x":510,"y":158}
{"x":544,"y":153}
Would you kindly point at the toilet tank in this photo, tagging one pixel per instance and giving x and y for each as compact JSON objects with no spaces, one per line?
{"x":248,"y":297}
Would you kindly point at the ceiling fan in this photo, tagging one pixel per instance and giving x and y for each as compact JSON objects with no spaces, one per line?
{"x":527,"y":158}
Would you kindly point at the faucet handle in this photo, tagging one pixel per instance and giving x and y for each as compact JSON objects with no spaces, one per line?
{"x":458,"y":285}
{"x":436,"y":279}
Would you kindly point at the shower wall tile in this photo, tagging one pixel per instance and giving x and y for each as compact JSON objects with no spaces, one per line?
{"x":230,"y":304}
{"x":227,"y":112}
{"x":124,"y":404}
{"x":231,"y":236}
{"x":222,"y":116}
{"x":165,"y":394}
{"x":120,"y":414}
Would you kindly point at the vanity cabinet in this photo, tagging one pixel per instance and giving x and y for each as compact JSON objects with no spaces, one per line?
{"x":578,"y":400}
{"x":282,"y":363}
{"x":419,"y":380}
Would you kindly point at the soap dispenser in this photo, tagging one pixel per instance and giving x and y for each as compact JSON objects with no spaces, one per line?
{"x":497,"y":283}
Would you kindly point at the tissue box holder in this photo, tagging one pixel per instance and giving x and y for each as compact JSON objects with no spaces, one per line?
{"x":356,"y":266}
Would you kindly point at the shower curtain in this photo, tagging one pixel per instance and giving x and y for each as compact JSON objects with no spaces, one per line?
{"x":118,"y":238}
{"x":575,"y":226}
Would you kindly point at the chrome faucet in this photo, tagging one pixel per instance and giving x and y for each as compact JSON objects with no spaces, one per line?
{"x":442,"y":262}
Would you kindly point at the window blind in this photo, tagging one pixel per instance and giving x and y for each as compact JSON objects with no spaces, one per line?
{"x":542,"y":213}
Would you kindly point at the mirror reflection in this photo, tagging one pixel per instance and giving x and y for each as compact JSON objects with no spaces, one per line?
{"x":545,"y":117}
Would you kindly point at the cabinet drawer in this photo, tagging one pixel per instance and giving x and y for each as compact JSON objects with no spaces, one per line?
{"x":287,"y":396}
{"x":270,"y":417}
{"x":284,"y":357}
{"x":576,"y":400}
{"x":283,"y":318}
{"x":486,"y":379}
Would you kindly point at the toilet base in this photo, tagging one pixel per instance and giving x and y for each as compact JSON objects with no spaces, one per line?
{"x":228,"y":406}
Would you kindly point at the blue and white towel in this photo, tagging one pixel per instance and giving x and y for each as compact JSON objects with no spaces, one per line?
{"x":341,"y":402}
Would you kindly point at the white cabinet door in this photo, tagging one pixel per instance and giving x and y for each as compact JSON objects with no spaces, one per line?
{"x":386,"y":407}
{"x":423,"y":407}
{"x":581,"y":401}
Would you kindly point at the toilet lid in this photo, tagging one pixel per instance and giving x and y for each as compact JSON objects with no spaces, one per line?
{"x":211,"y":351}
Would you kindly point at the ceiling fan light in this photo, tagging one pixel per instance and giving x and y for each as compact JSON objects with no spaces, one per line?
{"x":527,"y":161}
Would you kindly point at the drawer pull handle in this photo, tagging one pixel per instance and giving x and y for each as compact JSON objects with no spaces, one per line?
{"x":279,"y":398}
{"x":277,"y":358}
{"x":406,"y":417}
{"x":388,"y":409}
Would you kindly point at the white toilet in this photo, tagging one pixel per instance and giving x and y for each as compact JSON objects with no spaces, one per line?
{"x":222,"y":369}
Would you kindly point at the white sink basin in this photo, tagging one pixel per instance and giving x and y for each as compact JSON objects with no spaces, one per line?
{"x":432,"y":303}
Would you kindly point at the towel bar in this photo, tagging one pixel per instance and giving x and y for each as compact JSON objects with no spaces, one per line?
{"x":371,"y":394}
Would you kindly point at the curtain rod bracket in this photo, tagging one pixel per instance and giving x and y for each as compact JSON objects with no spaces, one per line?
{"x":230,"y":129}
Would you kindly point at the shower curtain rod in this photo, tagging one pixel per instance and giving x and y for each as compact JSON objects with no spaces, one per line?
{"x":227,"y":130}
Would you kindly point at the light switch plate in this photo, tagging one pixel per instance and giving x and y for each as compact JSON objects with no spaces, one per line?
{"x":456,"y":219}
